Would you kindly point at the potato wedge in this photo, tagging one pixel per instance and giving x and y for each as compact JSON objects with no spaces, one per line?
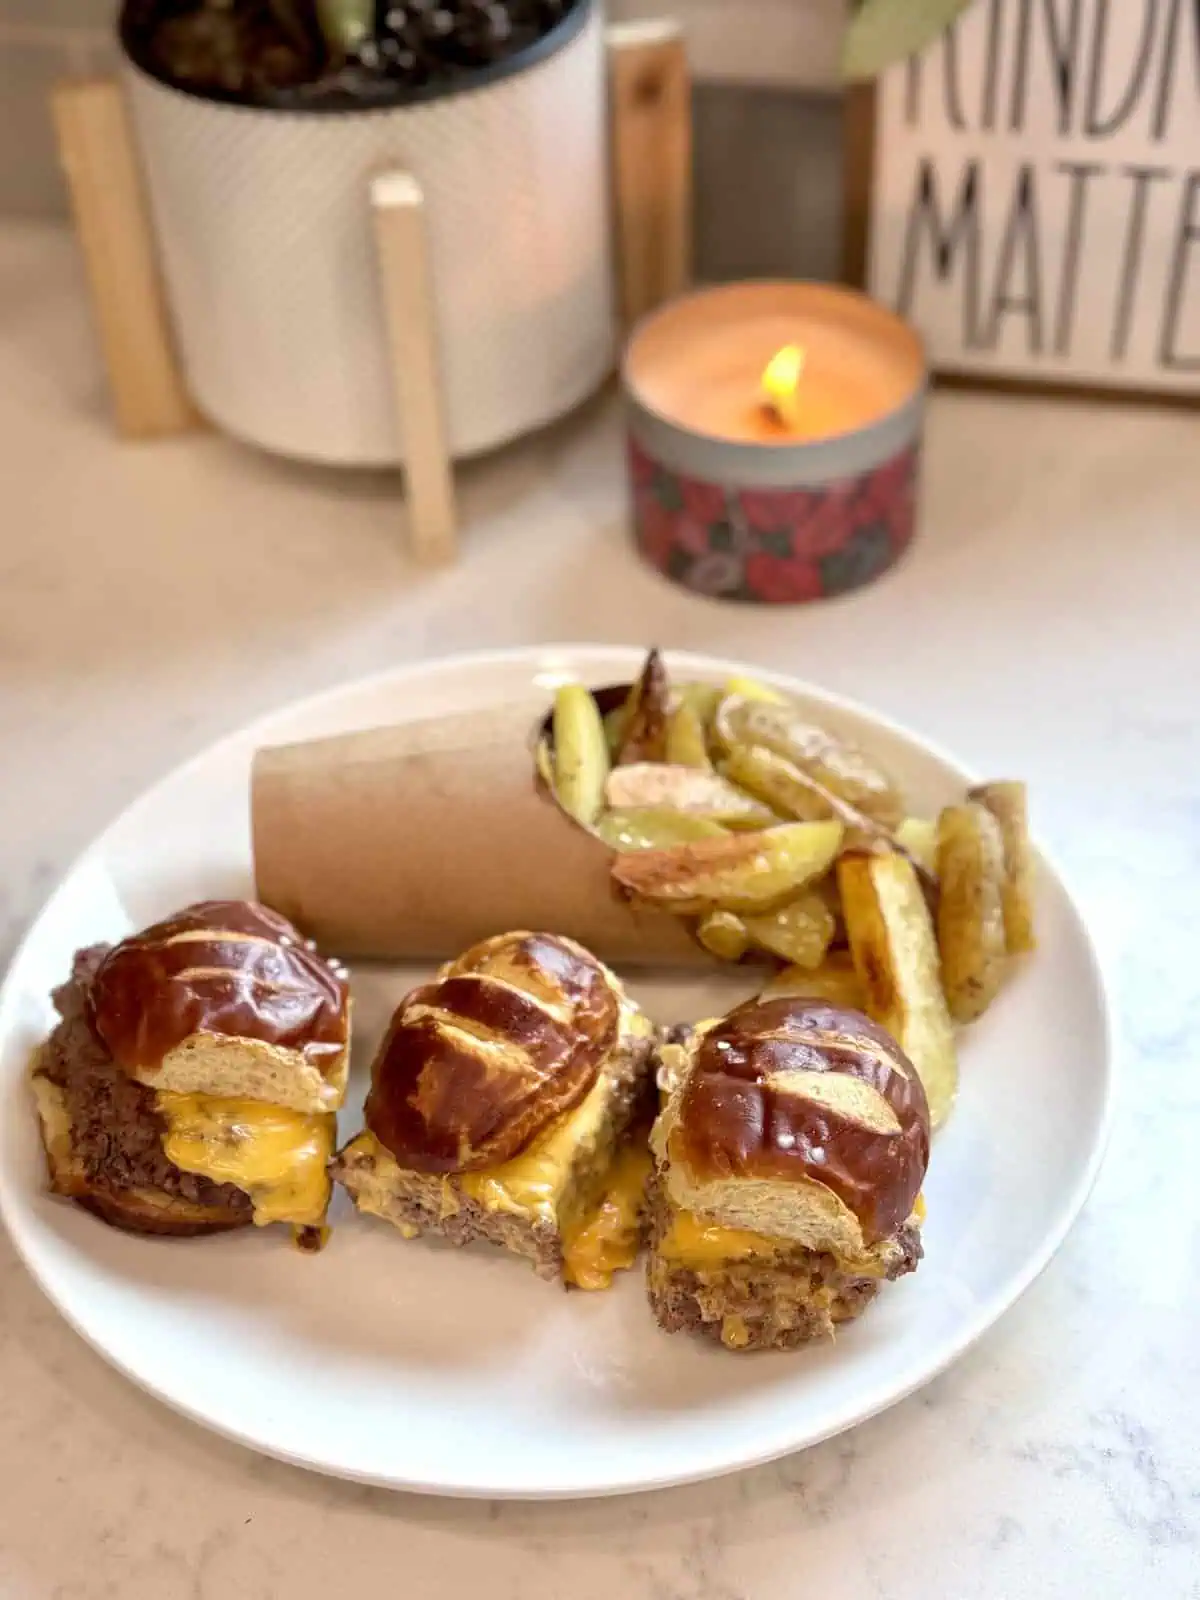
{"x":724,"y":935}
{"x":835,"y":981}
{"x":778,"y":783}
{"x":703,"y":698}
{"x":970,"y":914}
{"x":917,"y":837}
{"x":614,"y":726}
{"x":839,"y":767}
{"x":653,"y":785}
{"x":895,"y":954}
{"x":686,"y":744}
{"x":580,"y":753}
{"x":800,"y":932}
{"x":654,"y":830}
{"x":543,"y":759}
{"x":751,"y":689}
{"x":1008,"y":803}
{"x":744,"y":873}
{"x":644,"y":734}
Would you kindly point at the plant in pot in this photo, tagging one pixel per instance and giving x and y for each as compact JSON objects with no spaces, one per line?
{"x":295,"y":53}
{"x":881,"y":32}
{"x":261,"y":124}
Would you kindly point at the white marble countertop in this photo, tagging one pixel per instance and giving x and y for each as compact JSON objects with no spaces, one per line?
{"x":153,"y":597}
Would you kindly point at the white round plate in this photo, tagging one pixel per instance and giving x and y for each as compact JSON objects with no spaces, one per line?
{"x":424,"y":1368}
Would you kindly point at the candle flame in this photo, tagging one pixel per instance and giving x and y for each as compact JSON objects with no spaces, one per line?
{"x":781,"y":384}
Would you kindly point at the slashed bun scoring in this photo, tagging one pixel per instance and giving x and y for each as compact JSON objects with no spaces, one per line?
{"x":797,"y":1120}
{"x":226,"y":998}
{"x":511,"y":1036}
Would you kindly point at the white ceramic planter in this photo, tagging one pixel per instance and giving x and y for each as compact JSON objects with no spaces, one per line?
{"x":266,"y":242}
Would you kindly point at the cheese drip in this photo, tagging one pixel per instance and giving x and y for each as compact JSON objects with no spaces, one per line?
{"x":277,"y":1157}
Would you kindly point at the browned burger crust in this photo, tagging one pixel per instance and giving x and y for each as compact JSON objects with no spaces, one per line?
{"x":108,"y":1155}
{"x":779,"y":1303}
{"x":147,"y":1213}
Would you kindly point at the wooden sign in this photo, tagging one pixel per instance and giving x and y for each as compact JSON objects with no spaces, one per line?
{"x":1027,"y":192}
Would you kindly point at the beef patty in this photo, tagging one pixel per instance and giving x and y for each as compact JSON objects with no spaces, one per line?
{"x":116,"y":1129}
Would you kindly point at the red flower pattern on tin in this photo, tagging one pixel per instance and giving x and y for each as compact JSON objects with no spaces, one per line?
{"x":778,"y":546}
{"x":783,"y":580}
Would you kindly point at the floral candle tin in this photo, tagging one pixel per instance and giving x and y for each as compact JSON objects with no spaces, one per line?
{"x":774,"y":439}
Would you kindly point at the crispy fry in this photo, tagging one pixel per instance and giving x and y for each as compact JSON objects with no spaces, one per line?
{"x":800,"y":933}
{"x":654,"y":785}
{"x":835,"y":981}
{"x":1007,"y":802}
{"x":580,"y":753}
{"x":896,"y":957}
{"x":970,"y":916}
{"x":724,"y":935}
{"x":686,"y":746}
{"x":837,"y":766}
{"x":653,"y":830}
{"x":644,"y":735}
{"x":745,"y":873}
{"x":917,"y":837}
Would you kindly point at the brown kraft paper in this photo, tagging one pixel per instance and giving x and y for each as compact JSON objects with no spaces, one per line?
{"x":412,"y":842}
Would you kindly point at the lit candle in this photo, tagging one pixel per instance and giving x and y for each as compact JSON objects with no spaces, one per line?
{"x":774,"y":433}
{"x":781,"y":386}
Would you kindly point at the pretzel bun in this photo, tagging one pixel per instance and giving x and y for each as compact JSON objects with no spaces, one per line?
{"x":797,"y":1120}
{"x":226,"y":998}
{"x":510,"y":1037}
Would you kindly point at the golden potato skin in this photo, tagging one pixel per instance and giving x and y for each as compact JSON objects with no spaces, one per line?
{"x":895,"y":953}
{"x":1008,"y":803}
{"x":970,"y":914}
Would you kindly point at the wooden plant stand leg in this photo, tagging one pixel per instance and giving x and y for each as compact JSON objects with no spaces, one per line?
{"x":402,"y":244}
{"x":652,"y":163}
{"x":111,"y":217}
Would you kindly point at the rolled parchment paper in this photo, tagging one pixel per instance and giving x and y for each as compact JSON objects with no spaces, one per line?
{"x":413,"y":842}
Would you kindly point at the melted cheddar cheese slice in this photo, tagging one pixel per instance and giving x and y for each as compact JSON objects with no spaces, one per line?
{"x":696,"y":1241}
{"x":277,"y":1157}
{"x":535,"y":1180}
{"x":608,"y":1240}
{"x":693,"y":1240}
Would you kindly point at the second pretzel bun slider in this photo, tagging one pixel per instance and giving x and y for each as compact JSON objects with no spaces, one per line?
{"x":503,"y":1106}
{"x":790,"y":1153}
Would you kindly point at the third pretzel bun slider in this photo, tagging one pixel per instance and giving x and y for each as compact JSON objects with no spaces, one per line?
{"x":790,"y":1153}
{"x":509,"y":1103}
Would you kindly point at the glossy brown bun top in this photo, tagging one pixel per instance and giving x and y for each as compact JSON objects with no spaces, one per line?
{"x":784,"y":1090}
{"x":510,"y":1037}
{"x":226,"y":967}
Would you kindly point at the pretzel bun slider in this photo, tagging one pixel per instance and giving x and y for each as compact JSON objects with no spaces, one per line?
{"x":790,"y":1153}
{"x":504,"y":1103}
{"x":192,"y":1081}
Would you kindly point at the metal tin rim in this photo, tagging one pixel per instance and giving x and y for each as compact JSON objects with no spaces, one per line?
{"x":749,"y":466}
{"x":282,"y":102}
{"x":807,"y":461}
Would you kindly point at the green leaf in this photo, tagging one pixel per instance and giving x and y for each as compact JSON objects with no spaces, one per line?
{"x":882,"y":32}
{"x":345,"y":23}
